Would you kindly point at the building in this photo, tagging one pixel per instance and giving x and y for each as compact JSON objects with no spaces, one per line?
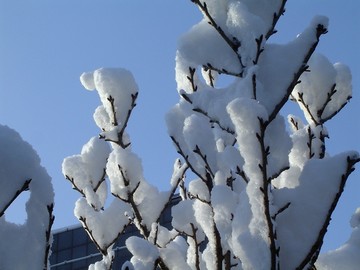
{"x":72,"y":248}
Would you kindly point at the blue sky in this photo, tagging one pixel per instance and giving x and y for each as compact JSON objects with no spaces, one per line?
{"x":46,"y":45}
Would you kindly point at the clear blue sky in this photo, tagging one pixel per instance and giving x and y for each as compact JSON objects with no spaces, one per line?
{"x":46,"y":45}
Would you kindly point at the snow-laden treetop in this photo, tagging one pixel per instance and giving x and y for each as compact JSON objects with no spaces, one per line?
{"x":263,"y":189}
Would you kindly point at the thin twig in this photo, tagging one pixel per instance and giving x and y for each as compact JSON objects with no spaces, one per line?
{"x":265,"y":152}
{"x":50,"y":209}
{"x":186,"y":158}
{"x":276,"y":18}
{"x":23,"y":188}
{"x":232,"y":42}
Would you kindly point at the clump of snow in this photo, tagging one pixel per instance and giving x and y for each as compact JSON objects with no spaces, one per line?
{"x":116,"y":88}
{"x":105,"y":263}
{"x":104,"y":225}
{"x":87,"y":80}
{"x":347,"y":256}
{"x":19,"y":162}
{"x":144,"y":253}
{"x":173,"y":256}
{"x":245,"y":114}
{"x":124,"y":170}
{"x":199,"y":136}
{"x":324,"y":90}
{"x":198,"y":189}
{"x":318,"y":184}
{"x":87,"y":171}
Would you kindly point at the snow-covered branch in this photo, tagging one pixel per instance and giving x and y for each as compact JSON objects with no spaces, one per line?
{"x":19,"y":161}
{"x":254,"y":183}
{"x":24,"y":187}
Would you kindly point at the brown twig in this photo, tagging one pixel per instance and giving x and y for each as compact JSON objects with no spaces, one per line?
{"x":50,"y":209}
{"x":23,"y":188}
{"x":276,"y":18}
{"x":265,"y":152}
{"x":232,"y":42}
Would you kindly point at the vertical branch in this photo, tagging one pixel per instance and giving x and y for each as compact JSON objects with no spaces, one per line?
{"x":311,"y":137}
{"x":120,"y":139}
{"x":50,"y":209}
{"x":197,"y":245}
{"x":259,"y":48}
{"x":253,"y":79}
{"x":265,"y":189}
{"x":191,"y":78}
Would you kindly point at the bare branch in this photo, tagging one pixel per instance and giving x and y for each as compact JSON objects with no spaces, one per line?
{"x":197,"y":150}
{"x":328,"y":99}
{"x":311,"y":137}
{"x":276,"y":18}
{"x":242,"y":174}
{"x":306,"y":106}
{"x":212,"y":120}
{"x":276,"y":175}
{"x":282,"y":209}
{"x":259,"y":48}
{"x":191,"y":78}
{"x":24,"y":187}
{"x":50,"y":209}
{"x":223,"y":70}
{"x":265,"y":152}
{"x":186,"y":158}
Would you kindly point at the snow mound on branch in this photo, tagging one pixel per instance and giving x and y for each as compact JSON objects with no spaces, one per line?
{"x":116,"y":88}
{"x":19,"y":162}
{"x":319,"y":183}
{"x":104,"y":225}
{"x":324,"y":90}
{"x":347,"y":256}
{"x":87,"y":171}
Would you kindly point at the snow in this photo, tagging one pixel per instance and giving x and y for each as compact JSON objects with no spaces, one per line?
{"x":124,"y":170}
{"x":288,"y":59}
{"x":245,"y":114}
{"x":316,"y":86}
{"x":142,"y":249}
{"x":19,"y":162}
{"x":104,"y":225}
{"x":87,"y":171}
{"x":112,"y":83}
{"x":198,"y":135}
{"x":319,"y":182}
{"x":256,"y":184}
{"x":347,"y":256}
{"x":224,"y":202}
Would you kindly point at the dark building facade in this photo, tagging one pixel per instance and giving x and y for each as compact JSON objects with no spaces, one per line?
{"x":72,"y":248}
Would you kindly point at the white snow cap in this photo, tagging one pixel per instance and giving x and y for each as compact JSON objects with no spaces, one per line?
{"x":19,"y":162}
{"x":117,"y":90}
{"x":347,"y":256}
